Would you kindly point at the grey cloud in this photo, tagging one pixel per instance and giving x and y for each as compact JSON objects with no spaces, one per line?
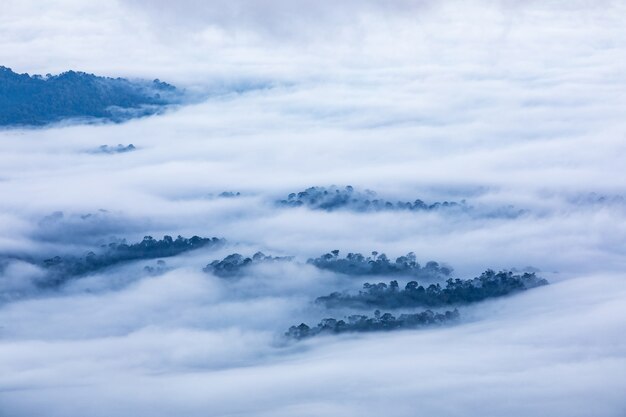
{"x":275,"y":17}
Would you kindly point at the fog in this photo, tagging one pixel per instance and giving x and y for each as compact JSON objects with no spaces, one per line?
{"x":509,"y":106}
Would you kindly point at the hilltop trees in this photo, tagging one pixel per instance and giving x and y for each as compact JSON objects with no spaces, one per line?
{"x":61,"y":268}
{"x":37,"y":101}
{"x":235,"y":264}
{"x":380,"y":264}
{"x":335,"y":198}
{"x":456,"y":291}
{"x":380,"y":322}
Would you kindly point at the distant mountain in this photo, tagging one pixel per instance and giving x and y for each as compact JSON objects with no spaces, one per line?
{"x":36,"y":100}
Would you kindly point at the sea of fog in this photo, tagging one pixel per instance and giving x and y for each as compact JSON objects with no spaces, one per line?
{"x":517,"y":108}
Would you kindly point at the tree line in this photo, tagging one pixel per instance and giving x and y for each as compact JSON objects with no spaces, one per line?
{"x":335,"y":198}
{"x":61,"y":268}
{"x":380,"y":322}
{"x":456,"y":291}
{"x":39,"y":100}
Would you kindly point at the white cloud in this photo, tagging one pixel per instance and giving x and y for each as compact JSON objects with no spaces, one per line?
{"x":495,"y":102}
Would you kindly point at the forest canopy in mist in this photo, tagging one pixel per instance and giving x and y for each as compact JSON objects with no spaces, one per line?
{"x":37,"y":100}
{"x":345,"y":209}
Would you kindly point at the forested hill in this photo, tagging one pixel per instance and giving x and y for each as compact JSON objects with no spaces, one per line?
{"x":39,"y":100}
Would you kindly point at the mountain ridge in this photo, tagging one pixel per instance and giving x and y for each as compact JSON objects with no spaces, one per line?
{"x":35,"y":100}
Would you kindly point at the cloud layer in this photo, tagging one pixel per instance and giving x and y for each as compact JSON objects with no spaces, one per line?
{"x":497,"y":103}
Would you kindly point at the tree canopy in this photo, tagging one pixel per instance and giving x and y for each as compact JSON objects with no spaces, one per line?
{"x":235,"y":264}
{"x":380,"y":264}
{"x":456,"y":291}
{"x":380,"y":322}
{"x":61,"y":268}
{"x":335,"y":198}
{"x":39,"y":100}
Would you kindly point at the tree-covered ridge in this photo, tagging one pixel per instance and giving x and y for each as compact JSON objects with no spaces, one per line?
{"x":115,"y":149}
{"x":334,"y":198}
{"x":229,"y":194}
{"x":456,"y":291}
{"x":380,"y":322}
{"x":63,"y":268}
{"x":380,"y":264}
{"x":353,"y":264}
{"x":235,"y":264}
{"x":35,"y":100}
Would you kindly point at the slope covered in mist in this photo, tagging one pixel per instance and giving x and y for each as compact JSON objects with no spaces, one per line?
{"x":27,"y":100}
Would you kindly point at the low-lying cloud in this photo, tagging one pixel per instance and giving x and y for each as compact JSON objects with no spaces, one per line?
{"x":499,"y":104}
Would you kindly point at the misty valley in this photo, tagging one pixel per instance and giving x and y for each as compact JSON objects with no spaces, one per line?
{"x":288,"y":208}
{"x":58,"y":270}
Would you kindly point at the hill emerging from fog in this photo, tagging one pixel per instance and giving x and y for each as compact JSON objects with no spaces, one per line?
{"x":36,"y":100}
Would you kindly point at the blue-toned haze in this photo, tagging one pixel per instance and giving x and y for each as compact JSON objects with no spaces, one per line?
{"x":492,"y":134}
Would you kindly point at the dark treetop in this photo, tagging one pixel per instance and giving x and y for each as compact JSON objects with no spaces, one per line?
{"x":488,"y":285}
{"x":384,"y":322}
{"x":114,"y":149}
{"x":62,"y":268}
{"x":36,"y":101}
{"x":379,"y":264}
{"x":235,"y":264}
{"x":353,"y":264}
{"x":229,"y":194}
{"x":160,"y":268}
{"x":334,"y":198}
